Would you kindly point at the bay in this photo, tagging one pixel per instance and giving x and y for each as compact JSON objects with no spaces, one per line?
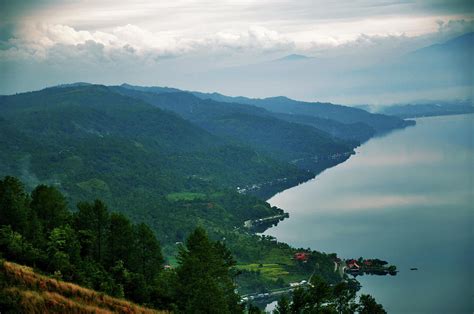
{"x":407,"y":198}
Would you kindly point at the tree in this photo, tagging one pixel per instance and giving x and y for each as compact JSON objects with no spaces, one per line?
{"x":13,"y":204}
{"x":299,"y":301}
{"x":368,"y":305}
{"x":204,"y":280}
{"x":14,"y":246}
{"x":63,"y":250}
{"x":253,"y":309}
{"x":344,"y":298}
{"x":50,"y":207}
{"x":283,"y":306}
{"x":92,"y":219}
{"x":148,"y":260}
{"x":319,"y":292}
{"x":120,"y":241}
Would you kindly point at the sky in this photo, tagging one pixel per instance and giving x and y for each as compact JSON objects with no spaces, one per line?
{"x":209,"y":45}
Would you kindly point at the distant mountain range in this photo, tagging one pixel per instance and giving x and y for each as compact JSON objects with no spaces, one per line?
{"x":441,"y":71}
{"x":293,"y":57}
{"x":405,"y":111}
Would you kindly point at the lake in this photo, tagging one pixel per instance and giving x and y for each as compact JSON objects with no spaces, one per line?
{"x":406,"y":198}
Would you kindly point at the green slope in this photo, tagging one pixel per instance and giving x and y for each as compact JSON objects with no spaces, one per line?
{"x":94,"y":143}
{"x":282,"y":140}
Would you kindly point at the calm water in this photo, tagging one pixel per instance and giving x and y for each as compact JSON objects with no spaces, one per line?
{"x":406,"y":198}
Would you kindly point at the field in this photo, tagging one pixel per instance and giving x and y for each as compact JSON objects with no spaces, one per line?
{"x":185,"y":196}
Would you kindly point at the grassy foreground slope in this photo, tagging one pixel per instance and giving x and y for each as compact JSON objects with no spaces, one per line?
{"x":30,"y":292}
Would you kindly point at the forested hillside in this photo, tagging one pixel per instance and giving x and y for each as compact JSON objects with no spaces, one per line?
{"x":103,"y":250}
{"x":280,"y":139}
{"x":341,"y":122}
{"x":343,"y":114}
{"x":91,"y":142}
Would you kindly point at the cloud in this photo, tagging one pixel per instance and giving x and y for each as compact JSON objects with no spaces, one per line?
{"x":42,"y":41}
{"x":175,"y":39}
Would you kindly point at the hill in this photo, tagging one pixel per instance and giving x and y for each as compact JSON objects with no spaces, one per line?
{"x":339,"y":121}
{"x":342,"y":114}
{"x":282,"y":140}
{"x":428,"y":109}
{"x":92,"y":143}
{"x":30,"y":292}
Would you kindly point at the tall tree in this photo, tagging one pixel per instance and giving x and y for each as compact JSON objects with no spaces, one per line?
{"x":299,"y":301}
{"x":319,"y":293}
{"x":344,"y":298}
{"x":120,"y":241}
{"x":147,"y":252}
{"x":283,"y":306}
{"x":50,"y":207}
{"x":14,"y":210}
{"x":205,"y":282}
{"x":92,"y":219}
{"x":368,"y":305}
{"x":63,"y":251}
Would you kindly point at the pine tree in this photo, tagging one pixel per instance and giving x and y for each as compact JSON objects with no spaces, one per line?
{"x":120,"y":241}
{"x":368,"y":305}
{"x":92,"y":220}
{"x":283,"y":306}
{"x":50,"y":207}
{"x":205,"y":282}
{"x":14,"y":210}
{"x":148,"y":259}
{"x":344,"y":298}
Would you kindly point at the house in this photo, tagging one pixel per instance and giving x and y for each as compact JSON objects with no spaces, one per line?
{"x":301,"y":256}
{"x":368,"y":262}
{"x":352,"y":265}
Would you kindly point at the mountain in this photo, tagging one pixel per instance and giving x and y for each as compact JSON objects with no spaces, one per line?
{"x":169,"y":159}
{"x":280,"y":139}
{"x":380,"y":75}
{"x":342,"y":114}
{"x":342,"y":122}
{"x":92,"y":142}
{"x":460,"y":47}
{"x":442,"y":70}
{"x":425,"y":110}
{"x":293,"y":57}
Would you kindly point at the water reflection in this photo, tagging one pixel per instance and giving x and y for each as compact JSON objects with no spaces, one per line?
{"x":405,"y":198}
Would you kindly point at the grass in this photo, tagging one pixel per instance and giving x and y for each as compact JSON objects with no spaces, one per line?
{"x":270,"y":271}
{"x":41,"y":294}
{"x":94,"y":184}
{"x":185,"y":196}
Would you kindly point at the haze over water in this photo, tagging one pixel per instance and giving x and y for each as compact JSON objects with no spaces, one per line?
{"x":406,"y":198}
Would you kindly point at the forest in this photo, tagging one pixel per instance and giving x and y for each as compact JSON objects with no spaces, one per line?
{"x":162,"y":173}
{"x":105,"y":251}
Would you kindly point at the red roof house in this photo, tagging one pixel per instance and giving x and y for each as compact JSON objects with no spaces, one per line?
{"x":301,"y":256}
{"x":352,"y":264}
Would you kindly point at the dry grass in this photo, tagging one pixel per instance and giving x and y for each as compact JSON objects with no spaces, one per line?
{"x":41,"y":294}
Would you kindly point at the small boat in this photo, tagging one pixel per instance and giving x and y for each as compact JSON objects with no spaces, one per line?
{"x":414,"y":268}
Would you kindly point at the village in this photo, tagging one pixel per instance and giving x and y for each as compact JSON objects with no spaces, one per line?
{"x":344,"y":267}
{"x":362,"y":266}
